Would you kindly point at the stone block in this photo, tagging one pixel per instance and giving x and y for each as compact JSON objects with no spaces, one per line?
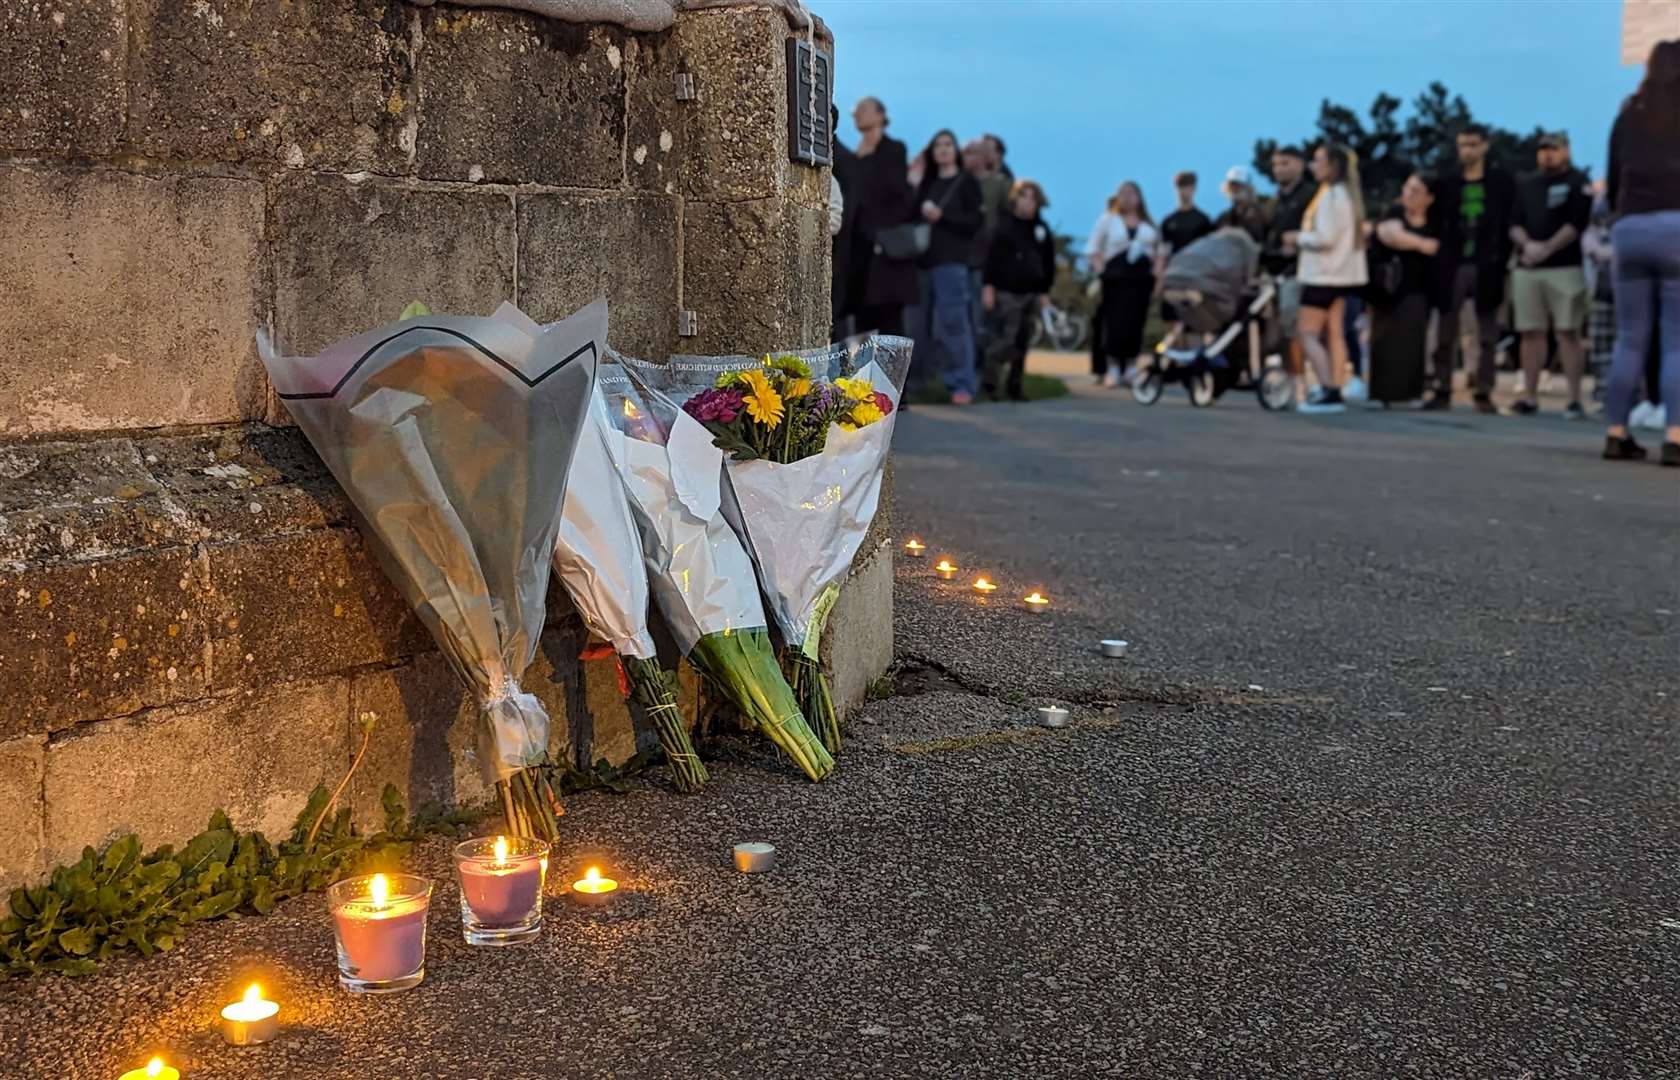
{"x":247,"y":482}
{"x":22,"y":761}
{"x":131,"y":301}
{"x":162,"y":773}
{"x":301,"y":605}
{"x":321,"y":86}
{"x":63,"y":84}
{"x":349,"y":257}
{"x":736,"y":127}
{"x":574,"y":248}
{"x":656,"y":123}
{"x":862,"y":625}
{"x":752,"y":271}
{"x":514,"y":98}
{"x":425,"y":740}
{"x":100,"y":638}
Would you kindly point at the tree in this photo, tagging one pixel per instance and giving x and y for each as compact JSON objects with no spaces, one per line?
{"x":1389,"y":150}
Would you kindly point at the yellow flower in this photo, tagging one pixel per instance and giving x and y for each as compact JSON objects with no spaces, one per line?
{"x":763,"y":403}
{"x":866,"y":413}
{"x":856,"y":389}
{"x":845,"y":426}
{"x":796,"y":388}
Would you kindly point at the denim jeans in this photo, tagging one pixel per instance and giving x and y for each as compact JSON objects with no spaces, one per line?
{"x":943,"y":333}
{"x":1647,"y":277}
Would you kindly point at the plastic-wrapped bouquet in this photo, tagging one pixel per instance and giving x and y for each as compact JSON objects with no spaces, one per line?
{"x":453,"y":437}
{"x":701,"y":576}
{"x":807,"y":435}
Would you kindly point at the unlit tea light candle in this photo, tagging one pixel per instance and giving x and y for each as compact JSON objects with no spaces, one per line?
{"x":155,"y":1070}
{"x":946,"y":569}
{"x":1114,"y":647}
{"x":380,"y":923}
{"x":755,"y":858}
{"x":251,"y":1019}
{"x":915,"y":549}
{"x":1052,"y":716}
{"x":593,"y":890}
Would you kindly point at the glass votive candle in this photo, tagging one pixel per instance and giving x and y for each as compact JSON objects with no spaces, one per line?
{"x":379,"y":922}
{"x":501,"y":880}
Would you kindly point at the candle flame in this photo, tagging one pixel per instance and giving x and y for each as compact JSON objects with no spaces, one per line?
{"x":254,"y":993}
{"x":592,"y":875}
{"x":983,"y":585}
{"x":915,"y":545}
{"x":154,"y":1067}
{"x":501,"y":850}
{"x":1034,"y":598}
{"x":946,"y":565}
{"x":379,"y":890}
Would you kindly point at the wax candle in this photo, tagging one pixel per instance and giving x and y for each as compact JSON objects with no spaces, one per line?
{"x":155,"y":1070}
{"x":1052,"y":716}
{"x":945,"y":569}
{"x":501,"y":888}
{"x":915,"y":548}
{"x":1036,"y":601}
{"x":755,"y":858}
{"x":1114,"y":647}
{"x":593,"y":890}
{"x":380,"y":923}
{"x":250,"y":1020}
{"x":983,"y":587}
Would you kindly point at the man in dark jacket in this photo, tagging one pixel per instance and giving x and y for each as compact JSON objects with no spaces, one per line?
{"x":1020,"y":268}
{"x":1475,"y":208}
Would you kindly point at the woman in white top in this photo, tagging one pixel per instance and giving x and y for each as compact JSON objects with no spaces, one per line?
{"x":1332,"y":267}
{"x":1122,"y":252}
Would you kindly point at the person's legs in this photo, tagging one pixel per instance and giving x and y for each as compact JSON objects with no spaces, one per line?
{"x":978,"y":323}
{"x":1338,"y":341}
{"x":1637,"y":287}
{"x":1533,"y":352}
{"x":949,"y":304}
{"x":1309,"y":325}
{"x":1446,"y":334}
{"x":1001,"y":333}
{"x":1351,"y":309}
{"x":1018,"y":353}
{"x":1099,"y":333}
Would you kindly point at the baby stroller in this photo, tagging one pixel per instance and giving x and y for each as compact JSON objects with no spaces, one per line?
{"x":1227,"y":334}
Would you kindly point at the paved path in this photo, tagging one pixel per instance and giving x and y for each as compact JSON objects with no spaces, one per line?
{"x":1387,"y":788}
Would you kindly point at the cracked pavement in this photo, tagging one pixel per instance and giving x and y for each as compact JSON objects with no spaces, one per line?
{"x":1387,"y":787}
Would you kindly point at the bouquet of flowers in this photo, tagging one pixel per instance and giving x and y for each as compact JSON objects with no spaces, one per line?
{"x":807,"y":436}
{"x":701,"y":576}
{"x":453,"y":438}
{"x":599,"y":559}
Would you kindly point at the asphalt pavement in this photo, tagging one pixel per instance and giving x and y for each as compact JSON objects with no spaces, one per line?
{"x":1387,"y":787}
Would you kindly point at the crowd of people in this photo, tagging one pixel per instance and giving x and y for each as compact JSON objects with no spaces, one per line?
{"x":949,"y":248}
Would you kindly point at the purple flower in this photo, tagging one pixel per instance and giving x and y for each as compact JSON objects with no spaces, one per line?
{"x":715,"y":406}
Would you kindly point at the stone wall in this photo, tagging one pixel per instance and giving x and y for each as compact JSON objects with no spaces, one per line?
{"x":188,"y":616}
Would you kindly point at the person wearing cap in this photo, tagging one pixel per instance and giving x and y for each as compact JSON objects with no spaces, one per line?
{"x":1549,"y":285}
{"x":1246,"y":211}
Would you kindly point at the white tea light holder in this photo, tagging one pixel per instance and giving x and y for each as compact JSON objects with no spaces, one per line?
{"x":1115,"y":647}
{"x":755,"y":858}
{"x":1052,"y":716}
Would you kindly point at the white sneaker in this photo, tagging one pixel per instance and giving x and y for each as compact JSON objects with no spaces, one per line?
{"x":1113,"y":377}
{"x":1648,"y":417}
{"x":1355,"y":390}
{"x":1322,"y":399}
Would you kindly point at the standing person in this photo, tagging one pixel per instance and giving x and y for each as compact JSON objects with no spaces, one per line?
{"x":843,"y":239}
{"x":998,"y":152}
{"x":880,"y":199}
{"x":1601,"y":298}
{"x":980,"y":160}
{"x":1289,"y":170}
{"x":1020,"y":268}
{"x":1332,"y":264}
{"x":1549,"y":287}
{"x":1246,"y":211}
{"x":1179,"y":229}
{"x":1644,"y":191}
{"x":1475,"y":209}
{"x":1122,"y":251}
{"x":949,"y":200}
{"x":1402,"y":271}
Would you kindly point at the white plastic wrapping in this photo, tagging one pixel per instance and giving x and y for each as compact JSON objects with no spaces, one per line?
{"x":453,"y":437}
{"x":702,"y":578}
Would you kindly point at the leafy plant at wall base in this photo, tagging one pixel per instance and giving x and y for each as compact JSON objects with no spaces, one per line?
{"x":123,"y":900}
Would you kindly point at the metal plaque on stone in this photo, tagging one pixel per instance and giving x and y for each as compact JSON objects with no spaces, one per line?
{"x":810,"y":97}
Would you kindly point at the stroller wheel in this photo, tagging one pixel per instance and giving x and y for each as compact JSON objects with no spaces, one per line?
{"x":1146,"y":390}
{"x":1276,"y":389}
{"x":1199,"y":385}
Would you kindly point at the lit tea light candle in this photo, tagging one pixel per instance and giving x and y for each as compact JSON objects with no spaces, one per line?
{"x":250,"y":1020}
{"x":946,"y":569}
{"x":915,"y":548}
{"x":155,"y":1070}
{"x":1052,"y":716}
{"x":501,"y":888}
{"x":593,"y":890}
{"x":380,"y":926}
{"x":1036,"y":601}
{"x":982,"y":586}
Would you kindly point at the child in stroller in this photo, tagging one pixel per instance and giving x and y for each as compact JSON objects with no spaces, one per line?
{"x":1227,"y":332}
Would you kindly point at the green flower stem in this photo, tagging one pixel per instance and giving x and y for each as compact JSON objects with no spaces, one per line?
{"x":529,"y":806}
{"x":810,"y":686}
{"x":651,"y":688}
{"x":742,"y":663}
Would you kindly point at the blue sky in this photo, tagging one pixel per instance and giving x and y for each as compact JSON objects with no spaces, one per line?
{"x":1090,"y":92}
